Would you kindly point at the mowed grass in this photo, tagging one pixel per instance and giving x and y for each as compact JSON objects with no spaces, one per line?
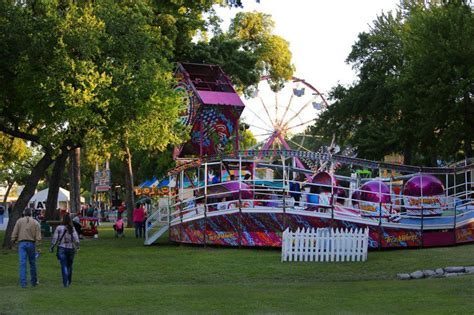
{"x":122,"y":276}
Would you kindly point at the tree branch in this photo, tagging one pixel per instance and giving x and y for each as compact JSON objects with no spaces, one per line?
{"x":19,"y":134}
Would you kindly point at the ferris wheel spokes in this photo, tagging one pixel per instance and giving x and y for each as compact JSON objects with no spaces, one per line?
{"x":299,"y":145}
{"x":287,"y":112}
{"x":300,"y":110}
{"x":301,"y":124}
{"x":266,"y":110}
{"x":289,"y":104}
{"x":260,"y":118}
{"x":264,"y":129}
{"x":276,"y":108}
{"x":263,"y":134}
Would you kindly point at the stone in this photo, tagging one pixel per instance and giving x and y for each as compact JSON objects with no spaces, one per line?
{"x":428,"y":273}
{"x":469,"y":269}
{"x":417,"y":274}
{"x":403,"y":276}
{"x":452,"y":274}
{"x":439,"y":271}
{"x":454,"y":269}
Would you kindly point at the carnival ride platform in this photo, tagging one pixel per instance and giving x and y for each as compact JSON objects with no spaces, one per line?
{"x":242,"y":208}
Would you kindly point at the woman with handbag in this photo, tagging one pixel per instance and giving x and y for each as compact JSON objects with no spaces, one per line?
{"x":67,"y":241}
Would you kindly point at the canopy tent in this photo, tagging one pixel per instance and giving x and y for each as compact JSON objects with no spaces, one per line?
{"x":38,"y":201}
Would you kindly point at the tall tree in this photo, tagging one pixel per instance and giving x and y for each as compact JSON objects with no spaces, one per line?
{"x":362,"y":115}
{"x":70,"y":72}
{"x":75,"y":179}
{"x":439,"y":77}
{"x":247,"y":51}
{"x":415,"y":87}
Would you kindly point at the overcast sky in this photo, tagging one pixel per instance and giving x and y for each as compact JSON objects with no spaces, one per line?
{"x":320,"y":32}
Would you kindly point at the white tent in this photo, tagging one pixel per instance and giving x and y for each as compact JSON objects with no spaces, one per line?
{"x":38,"y":201}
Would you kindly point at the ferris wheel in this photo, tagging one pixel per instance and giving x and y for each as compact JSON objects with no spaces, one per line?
{"x":279,"y":119}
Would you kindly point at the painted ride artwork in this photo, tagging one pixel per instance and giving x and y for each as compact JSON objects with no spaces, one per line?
{"x":219,"y":195}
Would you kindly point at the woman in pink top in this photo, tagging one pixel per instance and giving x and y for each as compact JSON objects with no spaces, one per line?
{"x":138,"y":220}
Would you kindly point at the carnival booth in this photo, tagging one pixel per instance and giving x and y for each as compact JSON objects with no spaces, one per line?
{"x":38,"y":201}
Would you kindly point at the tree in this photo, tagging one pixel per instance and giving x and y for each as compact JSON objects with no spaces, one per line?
{"x":414,"y":93}
{"x":142,"y":76}
{"x":363,"y":114}
{"x":247,"y":51}
{"x":75,"y":179}
{"x":62,"y":85}
{"x":16,"y":161}
{"x":439,"y":77}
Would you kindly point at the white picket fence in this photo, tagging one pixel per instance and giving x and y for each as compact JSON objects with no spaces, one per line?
{"x":325,"y":244}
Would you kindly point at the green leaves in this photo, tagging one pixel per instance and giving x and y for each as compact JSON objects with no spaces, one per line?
{"x":414,"y":94}
{"x":246,"y":52}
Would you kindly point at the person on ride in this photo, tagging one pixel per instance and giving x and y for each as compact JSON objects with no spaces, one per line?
{"x":67,"y":240}
{"x":295,"y":188}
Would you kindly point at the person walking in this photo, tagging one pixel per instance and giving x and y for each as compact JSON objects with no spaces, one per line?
{"x":27,"y":232}
{"x":138,"y":219}
{"x":67,"y":240}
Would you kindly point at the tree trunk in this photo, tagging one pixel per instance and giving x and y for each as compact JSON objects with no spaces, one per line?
{"x":7,"y":193}
{"x":75,"y":180}
{"x":129,"y":198}
{"x":56,"y":175}
{"x":25,"y":196}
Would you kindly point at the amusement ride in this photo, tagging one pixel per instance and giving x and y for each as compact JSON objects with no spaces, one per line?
{"x":220,"y":195}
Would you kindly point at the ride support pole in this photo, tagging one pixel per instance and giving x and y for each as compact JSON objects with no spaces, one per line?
{"x":239,"y":230}
{"x":205,"y":205}
{"x":454,"y":224}
{"x":169,"y":206}
{"x":422,"y":212}
{"x":380,"y":221}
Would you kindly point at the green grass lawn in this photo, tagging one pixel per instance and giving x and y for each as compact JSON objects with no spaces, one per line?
{"x":122,"y":276}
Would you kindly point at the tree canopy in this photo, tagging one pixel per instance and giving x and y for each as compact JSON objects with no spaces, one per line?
{"x":247,"y":51}
{"x":414,"y":90}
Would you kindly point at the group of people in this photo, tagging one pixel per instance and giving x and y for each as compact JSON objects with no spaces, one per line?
{"x":65,"y":241}
{"x":139,"y":221}
{"x":27,"y":235}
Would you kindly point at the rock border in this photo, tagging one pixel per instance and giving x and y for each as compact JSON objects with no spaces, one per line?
{"x":447,"y":272}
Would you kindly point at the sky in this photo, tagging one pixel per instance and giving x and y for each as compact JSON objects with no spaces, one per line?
{"x":320,"y":32}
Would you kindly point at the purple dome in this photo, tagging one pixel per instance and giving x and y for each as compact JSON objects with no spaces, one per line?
{"x":323,"y":178}
{"x":428,"y":184}
{"x":373,"y":191}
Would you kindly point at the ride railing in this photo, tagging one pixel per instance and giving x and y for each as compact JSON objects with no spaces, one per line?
{"x":155,"y":221}
{"x":334,"y":201}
